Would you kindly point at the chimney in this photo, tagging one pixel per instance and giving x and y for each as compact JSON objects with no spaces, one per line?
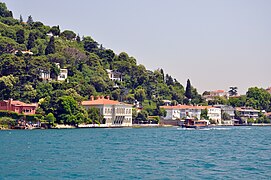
{"x":9,"y":103}
{"x":108,"y":97}
{"x":92,"y":98}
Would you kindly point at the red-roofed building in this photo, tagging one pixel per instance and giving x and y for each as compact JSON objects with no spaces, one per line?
{"x":18,"y":107}
{"x":187,"y":111}
{"x":115,"y":113}
{"x":210,"y":95}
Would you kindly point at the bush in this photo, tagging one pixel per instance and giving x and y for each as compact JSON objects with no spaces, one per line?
{"x":10,"y":114}
{"x":250,"y":120}
{"x":7,"y":121}
{"x":15,"y":115}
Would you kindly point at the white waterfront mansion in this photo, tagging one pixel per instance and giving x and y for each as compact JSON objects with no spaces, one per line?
{"x":187,"y":111}
{"x":115,"y":113}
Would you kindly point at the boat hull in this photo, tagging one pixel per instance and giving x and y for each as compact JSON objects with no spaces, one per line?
{"x":194,"y":127}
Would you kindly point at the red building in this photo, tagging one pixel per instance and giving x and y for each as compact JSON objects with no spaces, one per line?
{"x":18,"y":107}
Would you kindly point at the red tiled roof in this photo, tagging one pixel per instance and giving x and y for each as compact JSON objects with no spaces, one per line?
{"x":20,"y":103}
{"x":102,"y":102}
{"x":186,"y":107}
{"x":246,"y":109}
{"x":219,"y":91}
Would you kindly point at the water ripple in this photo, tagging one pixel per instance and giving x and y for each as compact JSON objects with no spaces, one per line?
{"x":148,"y":153}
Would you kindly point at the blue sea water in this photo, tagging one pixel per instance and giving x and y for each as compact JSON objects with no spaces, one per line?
{"x":136,"y":153}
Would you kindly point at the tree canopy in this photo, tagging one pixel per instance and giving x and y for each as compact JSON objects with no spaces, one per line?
{"x":87,"y":62}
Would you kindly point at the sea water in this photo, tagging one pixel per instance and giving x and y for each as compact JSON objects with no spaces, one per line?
{"x":136,"y":153}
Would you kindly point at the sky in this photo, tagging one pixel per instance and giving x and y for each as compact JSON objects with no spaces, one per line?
{"x":214,"y":43}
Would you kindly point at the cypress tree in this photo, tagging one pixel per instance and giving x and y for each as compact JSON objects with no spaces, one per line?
{"x":31,"y":40}
{"x":188,"y":91}
{"x":20,"y":36}
{"x":162,"y":72}
{"x":30,"y":20}
{"x":50,"y":49}
{"x":78,"y":39}
{"x":55,"y":30}
{"x":21,"y":19}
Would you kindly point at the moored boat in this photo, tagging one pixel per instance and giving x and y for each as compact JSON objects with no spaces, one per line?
{"x":196,"y":124}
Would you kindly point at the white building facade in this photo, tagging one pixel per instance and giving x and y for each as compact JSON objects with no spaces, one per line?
{"x":248,"y":112}
{"x":114,"y":75}
{"x":214,"y":114}
{"x":63,"y":73}
{"x":115,"y":113}
{"x":173,"y":113}
{"x":186,"y":111}
{"x":182,"y":112}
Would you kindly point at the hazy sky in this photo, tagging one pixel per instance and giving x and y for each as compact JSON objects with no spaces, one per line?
{"x":214,"y":43}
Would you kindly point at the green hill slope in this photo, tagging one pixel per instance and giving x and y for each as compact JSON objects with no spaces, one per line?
{"x":86,"y":61}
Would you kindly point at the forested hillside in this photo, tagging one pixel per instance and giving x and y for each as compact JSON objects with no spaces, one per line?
{"x":86,"y":61}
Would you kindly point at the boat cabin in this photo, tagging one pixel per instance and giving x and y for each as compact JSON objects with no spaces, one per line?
{"x":195,"y":123}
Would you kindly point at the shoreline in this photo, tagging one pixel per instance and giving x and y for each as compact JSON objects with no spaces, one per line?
{"x":92,"y":126}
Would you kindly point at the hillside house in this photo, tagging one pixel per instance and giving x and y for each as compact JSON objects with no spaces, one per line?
{"x":210,"y":95}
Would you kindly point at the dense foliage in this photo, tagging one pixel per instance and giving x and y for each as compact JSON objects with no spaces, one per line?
{"x":86,"y":61}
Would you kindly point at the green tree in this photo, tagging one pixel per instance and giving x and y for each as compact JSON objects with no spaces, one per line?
{"x":20,"y":36}
{"x":69,"y":35}
{"x":50,"y":49}
{"x":237,"y":101}
{"x":7,"y":122}
{"x":50,"y":118}
{"x":95,"y":116}
{"x":142,"y":115}
{"x":204,"y":114}
{"x":44,"y":90}
{"x":89,"y":44}
{"x":237,"y":116}
{"x":188,"y":90}
{"x":218,"y":100}
{"x":169,"y":80}
{"x":55,"y":30}
{"x":233,"y":91}
{"x":31,"y":40}
{"x":78,"y":39}
{"x":140,"y":94}
{"x":4,"y":12}
{"x":28,"y":93}
{"x":7,"y":86}
{"x":68,"y":111}
{"x":226,"y":116}
{"x":11,"y":64}
{"x":30,"y":20}
{"x":250,"y":120}
{"x":258,"y":98}
{"x":21,"y":19}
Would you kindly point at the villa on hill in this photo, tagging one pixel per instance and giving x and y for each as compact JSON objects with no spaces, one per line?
{"x":114,"y":76}
{"x":63,"y":74}
{"x":115,"y":113}
{"x":18,"y":107}
{"x":24,"y":52}
{"x":210,"y":95}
